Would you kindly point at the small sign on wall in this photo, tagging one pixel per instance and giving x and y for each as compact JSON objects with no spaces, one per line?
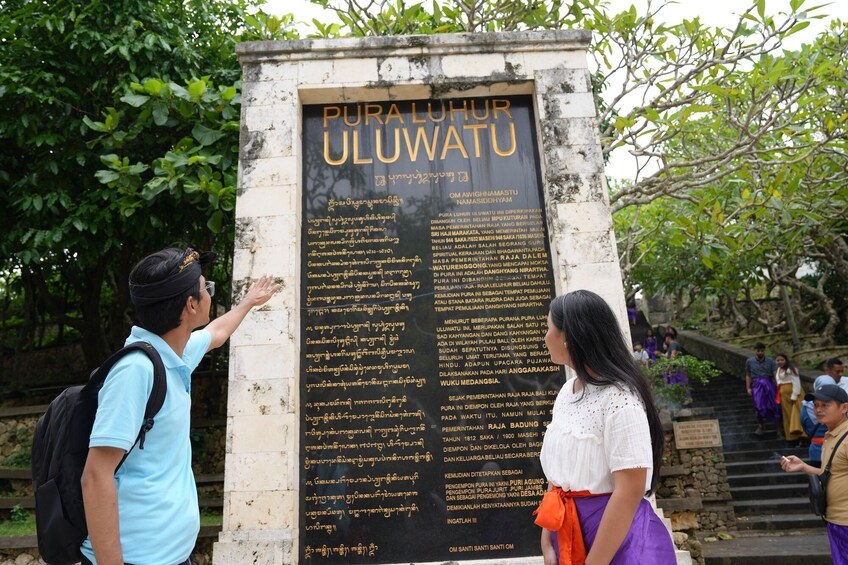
{"x":697,"y":433}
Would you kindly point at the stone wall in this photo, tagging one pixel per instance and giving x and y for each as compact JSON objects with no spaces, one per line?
{"x":694,"y":492}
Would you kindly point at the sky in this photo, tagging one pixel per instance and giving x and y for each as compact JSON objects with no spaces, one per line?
{"x":711,"y":12}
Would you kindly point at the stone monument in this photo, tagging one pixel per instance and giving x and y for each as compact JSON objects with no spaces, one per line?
{"x":422,"y":200}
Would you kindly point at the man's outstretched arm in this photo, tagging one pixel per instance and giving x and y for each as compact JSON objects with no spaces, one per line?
{"x":223,"y":326}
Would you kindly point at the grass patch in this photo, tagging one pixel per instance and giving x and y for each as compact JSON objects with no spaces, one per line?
{"x":26,"y":527}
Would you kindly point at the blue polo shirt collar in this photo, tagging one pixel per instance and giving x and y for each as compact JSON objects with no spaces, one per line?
{"x":170,"y":359}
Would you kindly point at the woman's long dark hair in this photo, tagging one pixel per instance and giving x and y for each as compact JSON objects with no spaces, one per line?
{"x":595,"y":342}
{"x":788,"y":366}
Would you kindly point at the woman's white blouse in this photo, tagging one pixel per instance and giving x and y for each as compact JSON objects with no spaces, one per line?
{"x":784,"y":377}
{"x":592,"y":433}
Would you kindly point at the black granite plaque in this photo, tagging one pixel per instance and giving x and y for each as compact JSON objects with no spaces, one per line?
{"x":425,"y":380}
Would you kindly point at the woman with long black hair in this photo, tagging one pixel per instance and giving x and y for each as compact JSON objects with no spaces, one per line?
{"x":602,"y":450}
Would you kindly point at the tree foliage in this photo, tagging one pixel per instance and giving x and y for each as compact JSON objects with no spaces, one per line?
{"x":738,"y":143}
{"x":118,"y":135}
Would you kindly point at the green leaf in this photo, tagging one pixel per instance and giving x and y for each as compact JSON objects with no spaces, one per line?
{"x":216,"y":221}
{"x":135,"y":100}
{"x":204,"y":135}
{"x":154,"y":87}
{"x":196,"y":88}
{"x":160,"y":113}
{"x":106,"y":177}
{"x":96,"y":126}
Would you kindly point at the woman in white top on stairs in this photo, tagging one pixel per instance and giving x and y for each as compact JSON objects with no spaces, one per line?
{"x":789,"y":391}
{"x":602,"y":450}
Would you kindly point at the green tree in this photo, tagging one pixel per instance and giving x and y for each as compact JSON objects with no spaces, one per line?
{"x":739,"y":143}
{"x":98,"y":99}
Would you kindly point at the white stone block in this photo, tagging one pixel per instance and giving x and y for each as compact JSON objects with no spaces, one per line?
{"x":574,"y":159}
{"x":571,"y":131}
{"x":581,"y":217}
{"x":272,"y":231}
{"x":254,"y":553}
{"x":601,"y":278}
{"x":278,"y":171}
{"x":576,"y":105}
{"x":248,"y":472}
{"x":265,"y":396}
{"x":542,"y":60}
{"x":562,"y":81}
{"x":270,"y":93}
{"x":472,"y":65}
{"x":282,"y":118}
{"x":266,"y":144}
{"x":265,"y":534}
{"x":262,"y":327}
{"x":514,"y":63}
{"x":274,"y":510}
{"x":585,"y":247}
{"x":274,"y":71}
{"x":258,"y":201}
{"x":354,"y":71}
{"x":315,"y":71}
{"x":420,"y":70}
{"x":393,"y":69}
{"x":278,"y":261}
{"x":566,"y":187}
{"x":258,"y":434}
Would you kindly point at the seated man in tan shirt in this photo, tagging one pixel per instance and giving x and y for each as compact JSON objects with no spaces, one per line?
{"x":831,"y":408}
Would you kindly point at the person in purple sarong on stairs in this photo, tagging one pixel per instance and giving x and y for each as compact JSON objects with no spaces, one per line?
{"x":759,"y":379}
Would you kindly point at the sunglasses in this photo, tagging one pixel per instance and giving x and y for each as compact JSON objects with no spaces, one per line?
{"x":210,"y":288}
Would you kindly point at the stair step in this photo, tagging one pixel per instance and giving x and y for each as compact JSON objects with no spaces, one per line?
{"x":773,"y":522}
{"x":771,"y":465}
{"x":769,"y":491}
{"x":758,"y":454}
{"x":786,"y":505}
{"x":753,"y":479}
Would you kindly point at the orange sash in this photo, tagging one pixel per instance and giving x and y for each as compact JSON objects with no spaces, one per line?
{"x":558,"y":513}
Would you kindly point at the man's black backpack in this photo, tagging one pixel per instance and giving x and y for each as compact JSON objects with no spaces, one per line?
{"x":59,"y":451}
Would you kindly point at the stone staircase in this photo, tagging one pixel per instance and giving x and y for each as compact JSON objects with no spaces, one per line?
{"x":774,"y":522}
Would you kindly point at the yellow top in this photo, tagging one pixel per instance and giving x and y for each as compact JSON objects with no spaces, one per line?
{"x":837,"y":486}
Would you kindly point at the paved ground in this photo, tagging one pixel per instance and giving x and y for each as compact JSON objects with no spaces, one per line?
{"x":804,"y":547}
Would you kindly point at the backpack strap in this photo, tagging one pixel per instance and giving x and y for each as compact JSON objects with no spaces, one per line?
{"x":832,"y":453}
{"x":157,"y":393}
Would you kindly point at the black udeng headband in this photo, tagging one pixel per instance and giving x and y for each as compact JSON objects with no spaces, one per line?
{"x":183,"y":277}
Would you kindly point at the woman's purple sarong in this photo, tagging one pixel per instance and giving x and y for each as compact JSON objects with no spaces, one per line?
{"x":838,"y":536}
{"x":764,"y":391}
{"x":648,"y":540}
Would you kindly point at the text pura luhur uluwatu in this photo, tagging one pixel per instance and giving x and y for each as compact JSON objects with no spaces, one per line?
{"x":435,"y":129}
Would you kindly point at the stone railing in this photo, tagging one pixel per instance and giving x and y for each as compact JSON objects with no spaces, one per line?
{"x":729,"y":358}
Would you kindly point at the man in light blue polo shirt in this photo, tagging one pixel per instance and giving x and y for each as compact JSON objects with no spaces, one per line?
{"x":147,"y":512}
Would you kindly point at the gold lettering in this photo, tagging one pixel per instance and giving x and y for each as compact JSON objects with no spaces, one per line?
{"x":330,"y":160}
{"x":356,"y":158}
{"x":327,"y":113}
{"x":452,"y":132}
{"x":358,"y":116}
{"x":380,"y":156}
{"x":373,"y":111}
{"x":476,"y":129}
{"x":502,"y":106}
{"x":394,"y":114}
{"x":421,"y":137}
{"x":512,"y":147}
